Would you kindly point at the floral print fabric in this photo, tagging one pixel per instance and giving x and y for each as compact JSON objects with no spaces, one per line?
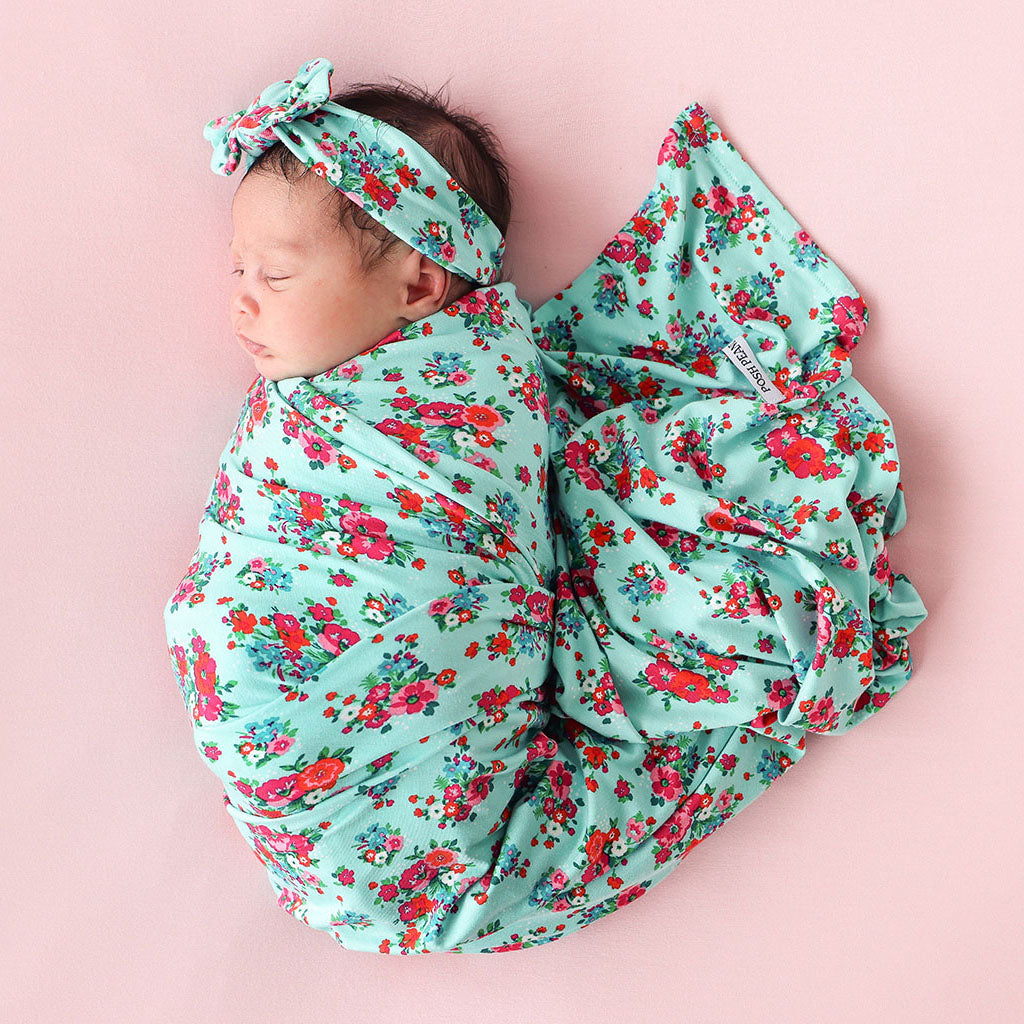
{"x":488,"y":627}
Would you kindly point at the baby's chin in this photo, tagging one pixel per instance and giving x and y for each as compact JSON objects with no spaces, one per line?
{"x":275,"y":370}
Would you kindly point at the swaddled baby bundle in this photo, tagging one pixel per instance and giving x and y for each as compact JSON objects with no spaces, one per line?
{"x":489,"y":626}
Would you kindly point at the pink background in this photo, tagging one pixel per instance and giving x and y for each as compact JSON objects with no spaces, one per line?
{"x":881,"y":879}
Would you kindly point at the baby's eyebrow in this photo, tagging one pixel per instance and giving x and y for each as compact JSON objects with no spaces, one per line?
{"x":281,"y":246}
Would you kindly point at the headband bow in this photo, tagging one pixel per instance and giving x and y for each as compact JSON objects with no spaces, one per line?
{"x":381,"y":169}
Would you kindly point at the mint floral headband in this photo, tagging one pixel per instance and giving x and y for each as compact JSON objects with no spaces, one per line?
{"x":381,"y":169}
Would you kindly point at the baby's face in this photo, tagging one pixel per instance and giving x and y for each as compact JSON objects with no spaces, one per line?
{"x":299,"y":290}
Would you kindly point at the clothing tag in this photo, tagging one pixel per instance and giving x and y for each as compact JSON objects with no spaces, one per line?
{"x":746,"y":362}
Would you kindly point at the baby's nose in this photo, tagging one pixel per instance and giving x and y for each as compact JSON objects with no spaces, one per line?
{"x":242,"y":301}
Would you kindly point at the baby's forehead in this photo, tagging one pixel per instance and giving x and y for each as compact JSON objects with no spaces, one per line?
{"x":272,"y":246}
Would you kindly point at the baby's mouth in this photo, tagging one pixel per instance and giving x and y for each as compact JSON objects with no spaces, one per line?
{"x":251,"y":346}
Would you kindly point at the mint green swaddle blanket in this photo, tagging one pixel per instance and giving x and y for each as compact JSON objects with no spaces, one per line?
{"x":488,"y":627}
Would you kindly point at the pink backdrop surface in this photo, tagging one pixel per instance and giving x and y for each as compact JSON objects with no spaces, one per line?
{"x":880,"y":879}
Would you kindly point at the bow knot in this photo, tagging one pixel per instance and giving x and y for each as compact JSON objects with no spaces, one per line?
{"x":249,"y":132}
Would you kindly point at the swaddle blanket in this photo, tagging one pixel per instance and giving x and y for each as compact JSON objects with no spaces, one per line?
{"x":489,"y":626}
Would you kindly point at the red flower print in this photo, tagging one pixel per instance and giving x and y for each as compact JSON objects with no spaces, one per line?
{"x":595,"y":844}
{"x":321,"y":774}
{"x":379,"y":192}
{"x":440,"y":858}
{"x":483,"y":417}
{"x":205,"y":673}
{"x":242,"y":622}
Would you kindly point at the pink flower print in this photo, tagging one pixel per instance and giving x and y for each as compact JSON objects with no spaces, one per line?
{"x":666,"y":782}
{"x":316,"y":449}
{"x":822,"y":713}
{"x":559,"y":879}
{"x":783,"y":693}
{"x":621,"y":248}
{"x":722,"y":200}
{"x":322,"y":612}
{"x":413,"y":698}
{"x":417,"y":876}
{"x":442,"y":413}
{"x":635,"y":828}
{"x":802,"y":237}
{"x":477,"y":789}
{"x":474,"y":302}
{"x":290,"y":631}
{"x":577,"y":458}
{"x":540,"y":604}
{"x":369,"y":535}
{"x":848,"y":315}
{"x":311,"y":506}
{"x":278,"y":792}
{"x":633,"y":893}
{"x":300,"y":845}
{"x":223,"y":485}
{"x":447,"y":252}
{"x":210,"y":708}
{"x":691,"y":686}
{"x":560,"y":778}
{"x":803,"y":456}
{"x":478,"y":458}
{"x":378,"y":693}
{"x":670,"y":149}
{"x":336,"y":638}
{"x":824,"y":633}
{"x":280,"y":744}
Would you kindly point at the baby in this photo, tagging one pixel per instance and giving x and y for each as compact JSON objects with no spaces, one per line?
{"x":477,"y":636}
{"x":318,"y":280}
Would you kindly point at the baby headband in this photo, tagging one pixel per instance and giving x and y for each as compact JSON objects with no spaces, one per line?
{"x":381,"y":169}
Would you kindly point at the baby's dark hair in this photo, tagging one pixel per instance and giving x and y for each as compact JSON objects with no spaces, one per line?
{"x":464,"y":146}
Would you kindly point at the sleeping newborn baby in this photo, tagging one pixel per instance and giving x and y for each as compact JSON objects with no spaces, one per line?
{"x":318,"y":280}
{"x":364,"y":629}
{"x":495,"y":613}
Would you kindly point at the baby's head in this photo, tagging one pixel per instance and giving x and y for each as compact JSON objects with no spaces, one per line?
{"x":317,"y":280}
